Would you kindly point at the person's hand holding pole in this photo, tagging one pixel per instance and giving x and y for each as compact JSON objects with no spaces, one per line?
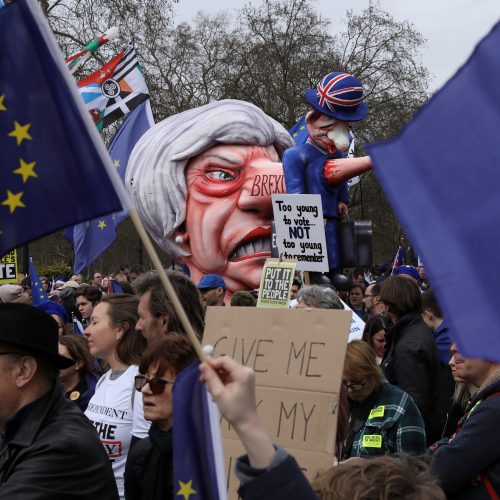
{"x":232,"y":387}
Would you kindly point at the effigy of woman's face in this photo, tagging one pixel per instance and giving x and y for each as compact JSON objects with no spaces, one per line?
{"x":229,"y":212}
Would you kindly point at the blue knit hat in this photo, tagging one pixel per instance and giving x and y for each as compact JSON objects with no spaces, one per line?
{"x":51,"y":307}
{"x":339,"y":95}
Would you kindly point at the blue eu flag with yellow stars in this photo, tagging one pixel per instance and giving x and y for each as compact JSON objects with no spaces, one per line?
{"x":299,"y":132}
{"x":441,"y":174}
{"x":38,"y":294}
{"x":91,"y":238}
{"x":54,"y":169}
{"x":198,"y":458}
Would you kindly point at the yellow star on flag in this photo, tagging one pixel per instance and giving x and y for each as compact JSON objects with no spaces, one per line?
{"x":13,"y":201}
{"x":295,"y":134}
{"x":2,"y":105}
{"x":116,"y":163}
{"x":20,"y":132}
{"x":101,"y":225}
{"x":302,"y":127}
{"x":186,"y":489}
{"x":26,"y":170}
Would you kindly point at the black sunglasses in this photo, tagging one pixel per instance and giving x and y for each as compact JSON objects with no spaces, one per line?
{"x":156,"y":384}
{"x":355,"y":386}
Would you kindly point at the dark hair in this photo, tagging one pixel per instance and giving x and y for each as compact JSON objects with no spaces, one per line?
{"x":78,"y":350}
{"x":296,"y":282}
{"x":160,"y":305}
{"x":401,"y":296}
{"x":358,"y":271}
{"x":122,"y":310}
{"x":379,"y":478}
{"x":127,"y":288}
{"x":430,"y":303}
{"x":243,"y":299}
{"x":374,"y":325}
{"x":173,"y":353}
{"x":375,"y":289}
{"x":91,"y":293}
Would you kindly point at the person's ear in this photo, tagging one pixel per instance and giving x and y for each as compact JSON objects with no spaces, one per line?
{"x":78,"y":365}
{"x":25,"y":370}
{"x":376,"y":299}
{"x":181,"y":238}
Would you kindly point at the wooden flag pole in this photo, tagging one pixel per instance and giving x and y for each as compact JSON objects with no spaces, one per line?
{"x":179,"y":310}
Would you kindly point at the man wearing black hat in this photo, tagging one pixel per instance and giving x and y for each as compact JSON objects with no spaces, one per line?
{"x":48,"y":449}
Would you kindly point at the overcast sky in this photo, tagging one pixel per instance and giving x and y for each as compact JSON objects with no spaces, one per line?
{"x":452,"y":28}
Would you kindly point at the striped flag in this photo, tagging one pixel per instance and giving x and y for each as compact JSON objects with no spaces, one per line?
{"x":115,"y":89}
{"x":77,"y":60}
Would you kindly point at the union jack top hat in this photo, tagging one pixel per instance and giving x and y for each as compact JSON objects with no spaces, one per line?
{"x":339,"y":95}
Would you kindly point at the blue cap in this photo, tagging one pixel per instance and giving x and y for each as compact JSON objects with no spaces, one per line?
{"x":410,"y":270}
{"x":211,"y":281}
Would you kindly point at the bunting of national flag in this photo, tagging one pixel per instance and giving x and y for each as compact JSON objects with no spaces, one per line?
{"x":115,"y":89}
{"x":77,"y":60}
{"x":51,"y":156}
{"x":441,"y":175}
{"x":38,"y":294}
{"x":90,"y":239}
{"x":198,"y":459}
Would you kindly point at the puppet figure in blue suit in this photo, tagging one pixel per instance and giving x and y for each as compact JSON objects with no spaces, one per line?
{"x":312,"y":167}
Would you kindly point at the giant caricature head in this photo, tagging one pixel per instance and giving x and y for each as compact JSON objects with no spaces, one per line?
{"x":202,"y":182}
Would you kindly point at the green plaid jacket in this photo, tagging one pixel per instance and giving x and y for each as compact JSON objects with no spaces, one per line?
{"x":394,"y":425}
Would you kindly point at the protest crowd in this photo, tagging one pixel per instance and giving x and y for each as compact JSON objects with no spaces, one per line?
{"x":126,"y":384}
{"x":412,"y":409}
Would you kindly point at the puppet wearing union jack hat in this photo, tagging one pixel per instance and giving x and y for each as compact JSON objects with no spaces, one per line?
{"x":315,"y":167}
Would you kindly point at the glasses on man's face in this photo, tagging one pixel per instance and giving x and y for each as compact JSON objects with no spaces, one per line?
{"x":156,"y":384}
{"x":355,"y":386}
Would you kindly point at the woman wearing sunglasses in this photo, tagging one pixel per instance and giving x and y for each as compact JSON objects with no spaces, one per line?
{"x":383,"y":419}
{"x":114,"y":409}
{"x":148,"y":474}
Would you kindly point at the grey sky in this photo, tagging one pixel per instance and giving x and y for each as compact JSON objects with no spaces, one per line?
{"x":452,"y":27}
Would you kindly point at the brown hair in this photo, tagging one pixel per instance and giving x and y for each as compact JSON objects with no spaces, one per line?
{"x":401,"y":296}
{"x":160,"y":305}
{"x":430,"y":303}
{"x":173,"y":353}
{"x":91,"y":293}
{"x":122,"y":310}
{"x":382,"y":478}
{"x":78,"y":350}
{"x":361,"y":361}
{"x":373,"y":326}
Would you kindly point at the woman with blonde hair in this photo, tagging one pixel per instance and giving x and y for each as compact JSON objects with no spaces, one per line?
{"x":383,"y":419}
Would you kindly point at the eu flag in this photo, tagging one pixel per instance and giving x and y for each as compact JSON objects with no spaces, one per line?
{"x":53,"y":166}
{"x":442,"y":177}
{"x":38,"y":294}
{"x":299,"y":132}
{"x":198,"y":459}
{"x":91,"y":238}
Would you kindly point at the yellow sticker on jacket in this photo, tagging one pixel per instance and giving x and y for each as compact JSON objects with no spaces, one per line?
{"x":377,"y":412}
{"x":372,"y":441}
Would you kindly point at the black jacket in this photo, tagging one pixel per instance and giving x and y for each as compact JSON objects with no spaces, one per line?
{"x":55,"y":454}
{"x":411,"y":362}
{"x":148,"y":473}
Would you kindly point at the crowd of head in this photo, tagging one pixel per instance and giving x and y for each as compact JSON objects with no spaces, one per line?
{"x":406,"y":391}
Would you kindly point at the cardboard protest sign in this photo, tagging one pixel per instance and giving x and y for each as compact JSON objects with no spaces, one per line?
{"x":276,"y":283}
{"x":8,"y":268}
{"x":300,"y":230}
{"x":298,"y":358}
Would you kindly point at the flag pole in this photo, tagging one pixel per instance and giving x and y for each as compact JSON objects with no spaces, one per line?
{"x":179,"y":310}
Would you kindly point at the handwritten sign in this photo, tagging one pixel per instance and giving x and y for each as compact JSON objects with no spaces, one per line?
{"x":8,"y":268}
{"x":300,"y":230}
{"x":298,"y":357}
{"x":276,"y":283}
